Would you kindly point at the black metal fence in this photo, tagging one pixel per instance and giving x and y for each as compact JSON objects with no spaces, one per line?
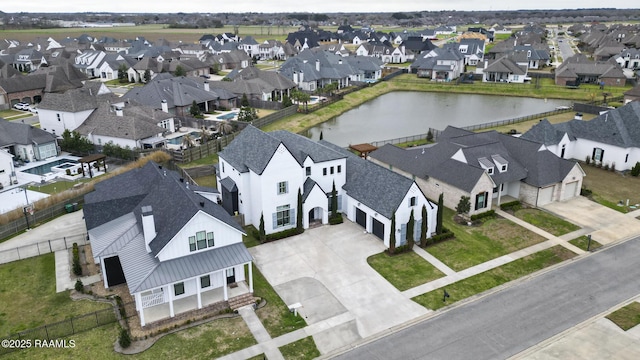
{"x":58,"y":331}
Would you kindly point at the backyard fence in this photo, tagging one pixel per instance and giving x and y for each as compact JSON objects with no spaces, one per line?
{"x":60,"y":330}
{"x":42,"y":247}
{"x":39,"y":216}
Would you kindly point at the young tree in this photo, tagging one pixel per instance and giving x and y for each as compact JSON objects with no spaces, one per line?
{"x":440,"y":214}
{"x":409,"y":235}
{"x":429,"y":136}
{"x":299,"y":224}
{"x":286,"y":101}
{"x":122,"y":73}
{"x":423,"y":227}
{"x":321,"y":137}
{"x":179,"y":71}
{"x":147,"y":76}
{"x":245,"y":101}
{"x":464,"y":205}
{"x":194,"y":110}
{"x":334,"y":201}
{"x":263,"y":235}
{"x":392,"y":237}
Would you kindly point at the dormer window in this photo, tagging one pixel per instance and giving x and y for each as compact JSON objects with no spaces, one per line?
{"x":486,"y":164}
{"x":500,"y":162}
{"x":490,"y":171}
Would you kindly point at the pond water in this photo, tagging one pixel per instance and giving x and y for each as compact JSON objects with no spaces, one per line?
{"x":407,"y":113}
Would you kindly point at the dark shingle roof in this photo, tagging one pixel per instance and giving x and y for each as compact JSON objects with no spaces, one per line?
{"x":12,"y":133}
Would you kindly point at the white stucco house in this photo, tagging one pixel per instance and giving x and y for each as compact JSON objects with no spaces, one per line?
{"x":175,"y":249}
{"x":261,"y":173}
{"x":487,"y":167}
{"x":26,"y":142}
{"x":612,"y":138}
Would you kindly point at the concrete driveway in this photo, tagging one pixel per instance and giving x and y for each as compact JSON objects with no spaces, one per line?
{"x":325,"y":270}
{"x":607,"y":225}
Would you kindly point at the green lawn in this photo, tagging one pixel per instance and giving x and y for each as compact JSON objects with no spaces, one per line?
{"x":207,"y":160}
{"x":250,"y":240}
{"x":58,"y":186}
{"x":479,"y":283}
{"x":275,"y":316}
{"x":207,"y":341}
{"x":474,"y":245}
{"x":29,"y":299}
{"x":609,"y":188}
{"x":404,"y":271}
{"x":545,"y":221}
{"x":626,"y":317}
{"x":583,"y":241}
{"x":207,"y":180}
{"x":302,"y":349}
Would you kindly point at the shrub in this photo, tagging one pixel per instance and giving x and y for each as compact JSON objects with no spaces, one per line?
{"x":77,"y":268}
{"x":486,"y":214}
{"x":79,"y":286}
{"x":446,"y":234}
{"x":283,"y":234}
{"x":606,"y":166}
{"x":334,"y":220}
{"x":585,"y":192}
{"x":635,"y":170}
{"x":124,"y":339}
{"x":511,"y":205}
{"x":588,"y":160}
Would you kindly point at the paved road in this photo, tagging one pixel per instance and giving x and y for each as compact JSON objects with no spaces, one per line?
{"x":510,"y":321}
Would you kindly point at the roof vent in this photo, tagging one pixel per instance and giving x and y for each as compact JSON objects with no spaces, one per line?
{"x":201,"y":203}
{"x":181,"y":180}
{"x":159,"y":166}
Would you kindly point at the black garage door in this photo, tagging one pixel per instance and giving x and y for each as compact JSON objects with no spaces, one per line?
{"x":115,"y":275}
{"x":361,"y":218}
{"x":378,"y":229}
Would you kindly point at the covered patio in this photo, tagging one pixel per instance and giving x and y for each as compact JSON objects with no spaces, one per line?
{"x":93,"y":160}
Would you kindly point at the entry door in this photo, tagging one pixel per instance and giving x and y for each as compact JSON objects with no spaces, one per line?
{"x":361,"y":218}
{"x":231,"y":275}
{"x":115,"y":275}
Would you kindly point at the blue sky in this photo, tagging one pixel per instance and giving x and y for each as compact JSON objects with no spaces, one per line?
{"x":328,"y":6}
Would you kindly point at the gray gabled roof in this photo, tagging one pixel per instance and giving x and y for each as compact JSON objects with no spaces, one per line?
{"x":253,"y":149}
{"x":379,"y":188}
{"x":16,"y":133}
{"x":172,"y":201}
{"x":544,"y":133}
{"x":177,"y":91}
{"x":307,"y":187}
{"x":137,"y":122}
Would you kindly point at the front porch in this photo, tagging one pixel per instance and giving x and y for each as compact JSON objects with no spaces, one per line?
{"x":190,"y":303}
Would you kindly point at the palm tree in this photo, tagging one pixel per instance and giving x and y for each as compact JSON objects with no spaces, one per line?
{"x":204,"y":135}
{"x":224,"y":128}
{"x":187,"y":141}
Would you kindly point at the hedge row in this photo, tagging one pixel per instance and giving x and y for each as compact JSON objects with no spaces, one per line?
{"x":284,"y":234}
{"x":511,"y":205}
{"x":486,"y":214}
{"x":77,"y":269}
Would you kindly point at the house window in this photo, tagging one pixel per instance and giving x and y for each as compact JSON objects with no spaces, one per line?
{"x":504,"y":168}
{"x":205,"y":281}
{"x":201,"y":240}
{"x":626,"y":158}
{"x":283,"y":217}
{"x":515,"y":77}
{"x":339,"y":169}
{"x":598,"y":154}
{"x":192,"y":243}
{"x":308,"y":170}
{"x":412,"y":201}
{"x":178,"y":289}
{"x":222,"y":166}
{"x":324,"y":171}
{"x":282,"y":187}
{"x":210,"y":242}
{"x":58,"y":116}
{"x":332,"y":170}
{"x":490,"y":171}
{"x":481,"y":201}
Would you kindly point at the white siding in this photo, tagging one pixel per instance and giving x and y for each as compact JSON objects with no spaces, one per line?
{"x":68,"y":120}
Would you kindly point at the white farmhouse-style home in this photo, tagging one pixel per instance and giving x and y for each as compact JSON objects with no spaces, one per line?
{"x":611,"y":139}
{"x":260,"y":175}
{"x":175,"y":249}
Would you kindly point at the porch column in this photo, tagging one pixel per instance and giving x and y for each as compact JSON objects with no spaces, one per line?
{"x":198,"y":293}
{"x":104,"y":273}
{"x":140,"y":309}
{"x":250,"y":277}
{"x":224,"y":284}
{"x":170,"y":293}
{"x":499,"y":193}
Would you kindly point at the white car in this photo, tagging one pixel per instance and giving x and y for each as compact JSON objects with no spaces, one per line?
{"x":32,"y":109}
{"x":21,"y":106}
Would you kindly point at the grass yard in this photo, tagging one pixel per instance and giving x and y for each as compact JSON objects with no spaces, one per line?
{"x":611,"y":187}
{"x":582,"y":242}
{"x":404,"y":271}
{"x":495,"y":277}
{"x":302,"y":349}
{"x":211,"y":340}
{"x":207,"y":180}
{"x":524,"y":126}
{"x":207,"y":160}
{"x":545,"y":221}
{"x":250,"y":240}
{"x":626,"y":317}
{"x":475,"y":245}
{"x":29,"y":299}
{"x":275,"y":316}
{"x":58,"y":186}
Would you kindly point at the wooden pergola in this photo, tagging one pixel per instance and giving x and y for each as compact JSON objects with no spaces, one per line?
{"x":363,"y":149}
{"x":93,"y":158}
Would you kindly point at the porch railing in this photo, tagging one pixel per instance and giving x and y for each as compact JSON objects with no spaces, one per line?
{"x":152,"y":300}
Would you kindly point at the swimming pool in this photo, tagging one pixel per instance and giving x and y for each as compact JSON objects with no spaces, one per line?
{"x":228,"y":116}
{"x":178,"y":140}
{"x":46,"y":168}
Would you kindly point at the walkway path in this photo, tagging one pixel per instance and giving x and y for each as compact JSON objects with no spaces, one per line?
{"x":261,"y":335}
{"x":64,"y":281}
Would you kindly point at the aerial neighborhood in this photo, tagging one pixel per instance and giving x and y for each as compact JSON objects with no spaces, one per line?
{"x":191,"y":196}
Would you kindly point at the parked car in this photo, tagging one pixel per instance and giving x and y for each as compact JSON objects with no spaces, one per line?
{"x":32,"y":109}
{"x":21,"y":106}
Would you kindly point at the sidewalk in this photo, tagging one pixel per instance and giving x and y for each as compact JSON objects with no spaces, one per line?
{"x":64,"y":280}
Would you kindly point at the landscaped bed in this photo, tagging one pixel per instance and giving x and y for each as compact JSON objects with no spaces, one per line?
{"x":474,"y":245}
{"x":479,"y":283}
{"x":404,"y":271}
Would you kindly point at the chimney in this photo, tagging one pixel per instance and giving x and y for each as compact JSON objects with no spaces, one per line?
{"x":300,"y":76}
{"x":295,"y":77}
{"x":317,"y":65}
{"x":119,"y":111}
{"x":340,"y":62}
{"x":206,"y":86}
{"x":165,"y":107}
{"x":148,"y":226}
